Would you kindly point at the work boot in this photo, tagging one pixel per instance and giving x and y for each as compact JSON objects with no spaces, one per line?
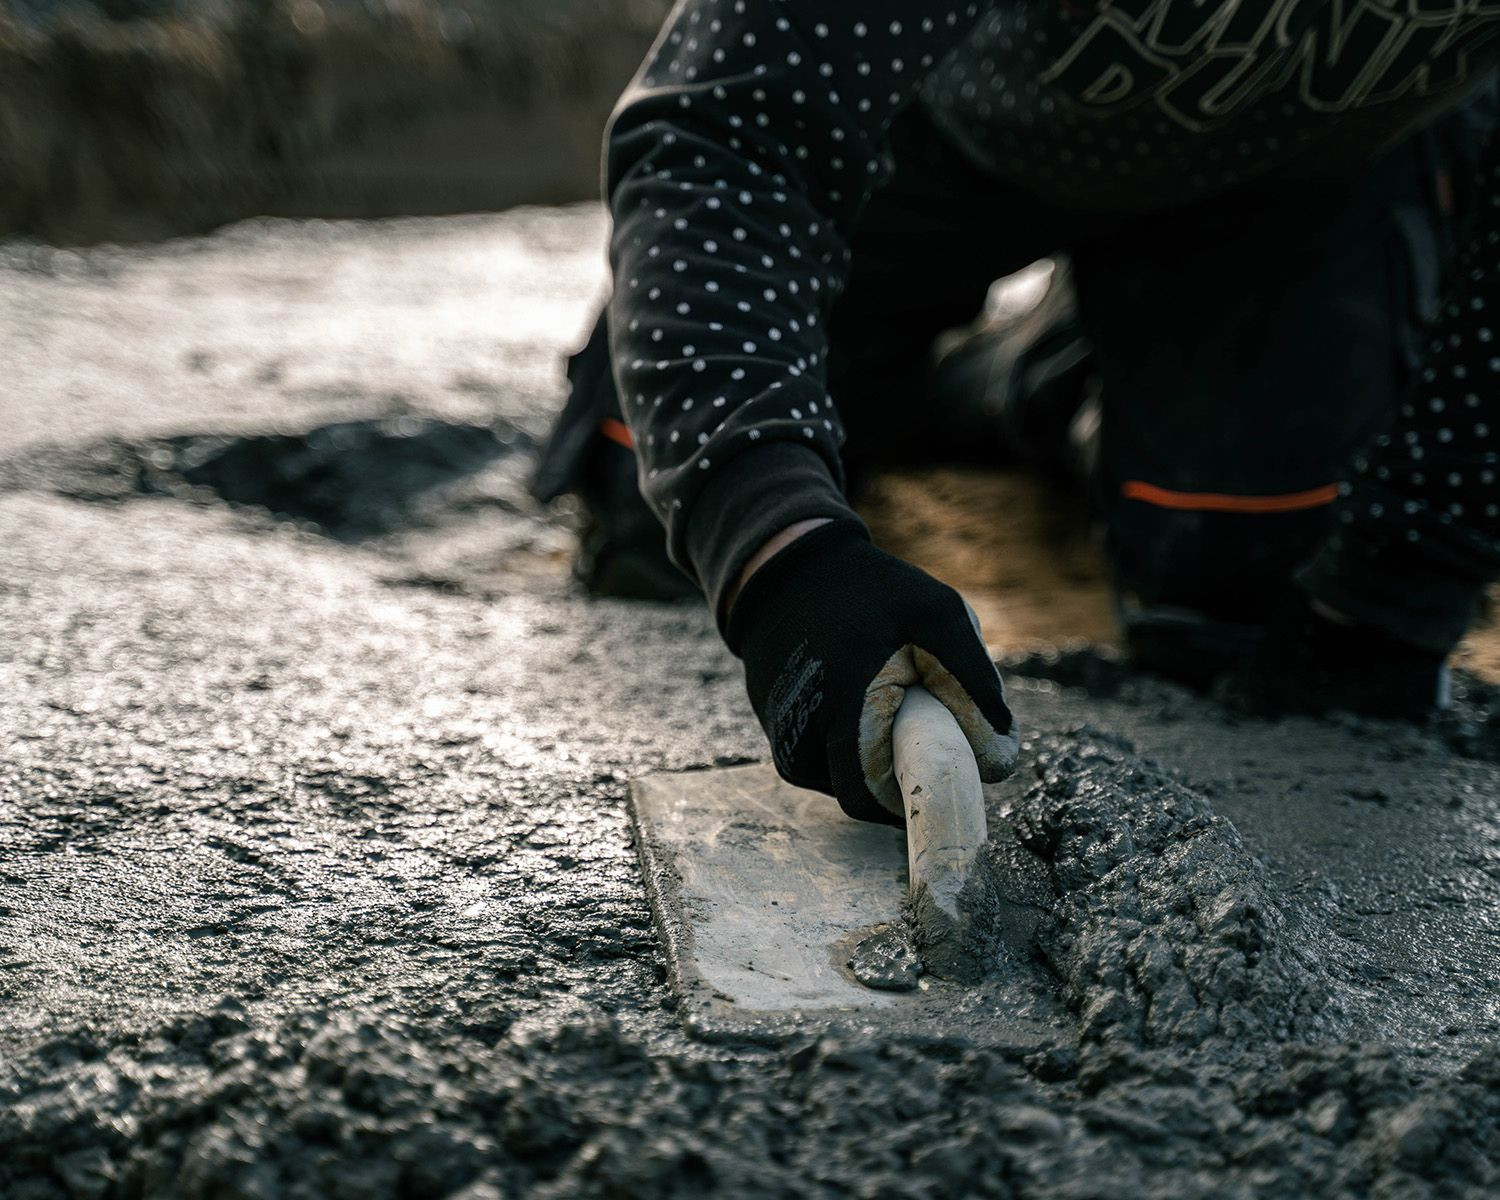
{"x":1185,"y":645}
{"x":622,"y":549}
{"x":1301,"y":661}
{"x":1027,"y":366}
{"x":1312,"y":662}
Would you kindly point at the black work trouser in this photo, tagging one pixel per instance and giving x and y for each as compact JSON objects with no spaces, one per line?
{"x":1245,"y":347}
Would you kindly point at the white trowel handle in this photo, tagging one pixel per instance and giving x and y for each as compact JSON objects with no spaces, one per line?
{"x":945,"y":822}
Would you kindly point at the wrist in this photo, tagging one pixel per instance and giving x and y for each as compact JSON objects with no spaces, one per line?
{"x":769,"y":549}
{"x":802,"y":575}
{"x":1329,"y":613}
{"x":747,"y":499}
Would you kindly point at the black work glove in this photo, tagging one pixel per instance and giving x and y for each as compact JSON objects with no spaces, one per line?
{"x":1311,"y":663}
{"x":832,"y":631}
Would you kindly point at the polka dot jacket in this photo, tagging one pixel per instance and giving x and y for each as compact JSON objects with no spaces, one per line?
{"x":740,"y":158}
{"x":1419,"y":522}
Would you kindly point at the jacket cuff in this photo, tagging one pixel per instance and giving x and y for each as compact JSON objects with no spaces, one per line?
{"x":751,"y":498}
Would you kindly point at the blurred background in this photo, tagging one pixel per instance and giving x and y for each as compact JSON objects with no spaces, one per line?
{"x":319,"y":262}
{"x":138,"y":119}
{"x":322,"y":261}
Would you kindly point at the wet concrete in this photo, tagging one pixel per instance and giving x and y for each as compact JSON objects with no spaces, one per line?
{"x":887,"y":960}
{"x":352,"y":480}
{"x":313,"y":885}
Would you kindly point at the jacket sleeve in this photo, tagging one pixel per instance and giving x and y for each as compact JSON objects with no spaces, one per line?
{"x":1418,"y":539}
{"x":737,"y":165}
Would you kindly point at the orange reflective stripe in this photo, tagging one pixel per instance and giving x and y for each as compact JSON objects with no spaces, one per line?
{"x":1149,"y":493}
{"x":616,"y":431}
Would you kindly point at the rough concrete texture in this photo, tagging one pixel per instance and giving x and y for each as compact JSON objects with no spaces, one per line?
{"x":888,"y":959}
{"x":317,"y":878}
{"x":1164,"y":930}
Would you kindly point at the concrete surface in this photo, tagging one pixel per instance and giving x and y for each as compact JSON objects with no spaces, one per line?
{"x":317,"y":877}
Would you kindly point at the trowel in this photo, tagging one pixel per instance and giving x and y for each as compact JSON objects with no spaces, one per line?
{"x":762,"y":891}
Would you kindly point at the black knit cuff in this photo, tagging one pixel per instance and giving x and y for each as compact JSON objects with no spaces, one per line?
{"x":750,"y":499}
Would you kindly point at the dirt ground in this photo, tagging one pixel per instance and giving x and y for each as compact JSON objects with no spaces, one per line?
{"x":317,"y":878}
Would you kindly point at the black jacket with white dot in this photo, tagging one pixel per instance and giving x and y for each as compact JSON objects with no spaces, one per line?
{"x":742,"y":155}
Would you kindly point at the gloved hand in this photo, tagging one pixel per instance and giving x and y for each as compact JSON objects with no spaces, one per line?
{"x":1309,"y":662}
{"x":832,"y":632}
